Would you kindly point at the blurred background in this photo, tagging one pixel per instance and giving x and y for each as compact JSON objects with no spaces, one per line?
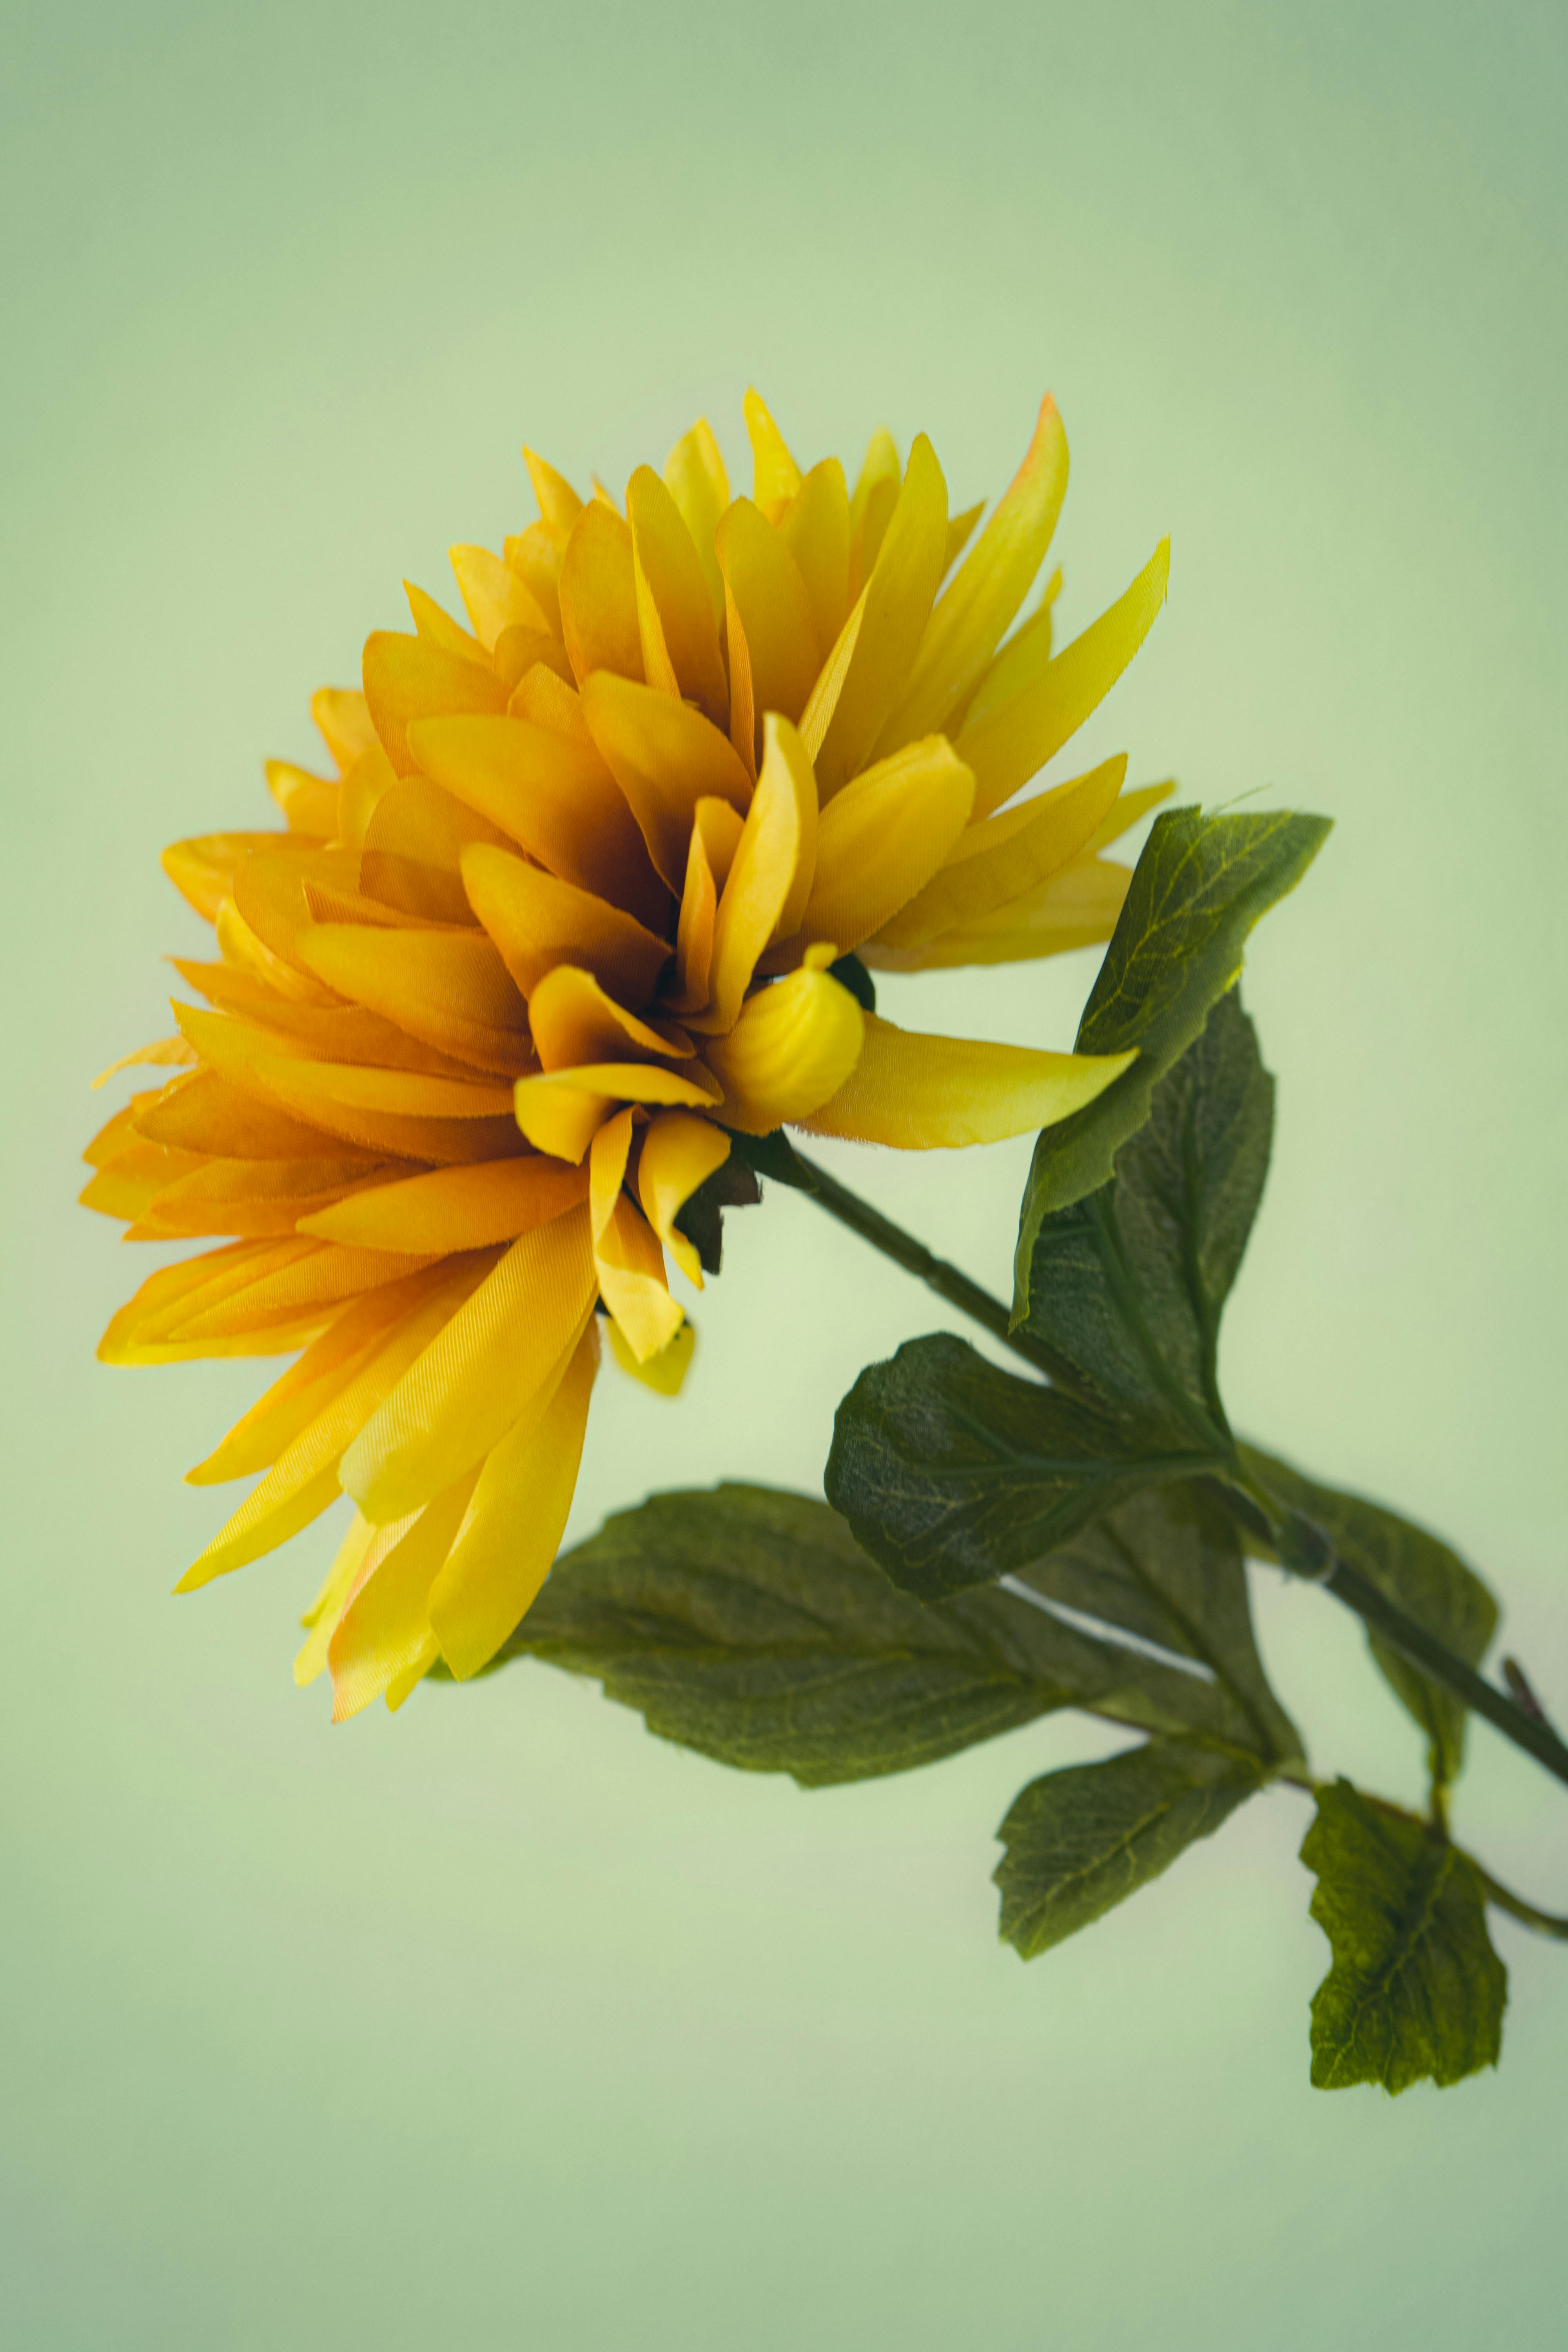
{"x":501,"y":2021}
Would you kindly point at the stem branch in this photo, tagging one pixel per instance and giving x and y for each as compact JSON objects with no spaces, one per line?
{"x":1529,"y":1731}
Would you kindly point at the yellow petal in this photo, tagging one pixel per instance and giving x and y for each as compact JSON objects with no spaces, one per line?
{"x":1022,"y":660}
{"x":598,"y":595}
{"x":574,"y":1020}
{"x":164,"y":1052}
{"x":519,"y":649}
{"x":667,"y":559}
{"x":386,"y":1629}
{"x":1127,"y":811}
{"x":678,"y":1153}
{"x":558,"y":501}
{"x":743,"y":700}
{"x":310,"y":804}
{"x":514,"y":1524}
{"x":331,"y":1600}
{"x":694,"y":471}
{"x":555,"y":795}
{"x":664,"y":758}
{"x":960,"y":529}
{"x":715,"y":837}
{"x":898,"y":604}
{"x":256,"y":1199}
{"x":203,"y":870}
{"x":473,"y":1379}
{"x":775,"y":475}
{"x":406,"y":678}
{"x":917,"y":1092}
{"x":451,"y":1209}
{"x":665,"y":1373}
{"x":881,"y":839}
{"x":414,"y":845}
{"x":1005,"y":858}
{"x":327,"y":1032}
{"x":342,"y":718}
{"x":1075,"y":908}
{"x":359,"y":794}
{"x":545,"y":698}
{"x":538,"y":922}
{"x":251,"y":958}
{"x":438,"y":627}
{"x":450,"y":988}
{"x":791,"y":1049}
{"x":774,"y":609}
{"x":560,"y":1110}
{"x":770,"y":879}
{"x":1005,"y":747}
{"x":972,"y":615}
{"x":871,"y":505}
{"x":815,"y":527}
{"x":202,"y":1112}
{"x":495,"y":595}
{"x":626,"y":1257}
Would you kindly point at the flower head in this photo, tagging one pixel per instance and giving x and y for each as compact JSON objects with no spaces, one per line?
{"x":487,"y":1015}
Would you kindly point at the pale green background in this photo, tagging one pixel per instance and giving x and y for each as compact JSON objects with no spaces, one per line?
{"x":500,"y":2023}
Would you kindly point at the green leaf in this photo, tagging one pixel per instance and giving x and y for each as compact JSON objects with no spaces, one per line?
{"x":1127,"y":1285}
{"x":1167,"y":1568}
{"x":746,"y":1623}
{"x":1416,"y":1570}
{"x":1196,"y":891}
{"x":952,"y":1472}
{"x":1415,"y":1987}
{"x":1078,"y":1842}
{"x":854,"y":976}
{"x":701,"y":1219}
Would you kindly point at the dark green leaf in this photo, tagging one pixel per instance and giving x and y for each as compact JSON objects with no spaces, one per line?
{"x":852,"y":972}
{"x":748,"y":1624}
{"x":1167,"y":1568}
{"x":1197,"y":889}
{"x":772,"y":1155}
{"x":952,"y":1472}
{"x":1078,"y":1842}
{"x":1415,"y":1569}
{"x":702,"y":1220}
{"x":1415,"y":1987}
{"x":1127,"y":1285}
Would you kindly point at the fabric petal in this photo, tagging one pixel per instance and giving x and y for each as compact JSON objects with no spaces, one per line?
{"x":495,"y":595}
{"x":558,"y":501}
{"x":453,"y":1208}
{"x":1075,"y":908}
{"x":407,"y":679}
{"x":414,"y":845}
{"x":665,"y":758}
{"x":815,"y":527}
{"x":598,"y":595}
{"x":667,"y":561}
{"x":694,"y":473}
{"x":678,"y":1153}
{"x":538,"y":922}
{"x":574,"y":1020}
{"x":775,"y":475}
{"x":879,"y":842}
{"x":917,"y":1092}
{"x":775,"y":612}
{"x":386,"y":1629}
{"x":627,"y":1258}
{"x":514,"y":1524}
{"x":791,"y":1049}
{"x":560,"y":1110}
{"x":1009,"y":744}
{"x":770,"y":879}
{"x":332,"y":1599}
{"x":1005,"y":858}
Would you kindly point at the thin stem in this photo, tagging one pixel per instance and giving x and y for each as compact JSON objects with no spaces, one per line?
{"x":1325,"y":1566}
{"x":1545,"y":1923}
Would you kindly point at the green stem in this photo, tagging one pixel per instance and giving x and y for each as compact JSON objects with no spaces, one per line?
{"x":1304,"y":1546}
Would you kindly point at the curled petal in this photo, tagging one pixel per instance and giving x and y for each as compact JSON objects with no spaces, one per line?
{"x":665,"y":758}
{"x":791,"y":1049}
{"x":538,"y":921}
{"x":917,"y":1092}
{"x":678,"y":1153}
{"x":665,"y":1373}
{"x":626,"y":1255}
{"x":560,"y":1110}
{"x":573,"y":1021}
{"x":768,"y":883}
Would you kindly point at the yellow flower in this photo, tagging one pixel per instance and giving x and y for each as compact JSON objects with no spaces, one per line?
{"x":480,"y":1017}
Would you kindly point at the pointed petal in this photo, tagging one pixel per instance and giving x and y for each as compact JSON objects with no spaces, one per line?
{"x":742,"y":695}
{"x":495,"y":596}
{"x":598,"y":595}
{"x":310,"y":804}
{"x":667,"y":560}
{"x":1005,"y":858}
{"x":665,"y":1373}
{"x":536,"y":555}
{"x":202,"y":1112}
{"x":626,"y":1257}
{"x":774,"y":609}
{"x":815,"y":527}
{"x":558,"y":501}
{"x":791,"y":1049}
{"x":664,"y":758}
{"x":1005,"y":747}
{"x":450,"y":988}
{"x":917,"y":1092}
{"x":775,"y":475}
{"x":555,"y":795}
{"x":898,"y":598}
{"x":960,"y":530}
{"x":678,"y":1153}
{"x":694,"y":471}
{"x":871,"y":504}
{"x":203,"y":870}
{"x":436,"y":628}
{"x":769,"y":881}
{"x":1021,"y":661}
{"x":715,"y":836}
{"x":1075,"y":908}
{"x":386,"y":1629}
{"x":414,"y":843}
{"x":538,"y":922}
{"x":881,"y":839}
{"x":969,"y":622}
{"x":343,"y":721}
{"x":477,"y":1375}
{"x":514,"y":1524}
{"x":332,"y":1600}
